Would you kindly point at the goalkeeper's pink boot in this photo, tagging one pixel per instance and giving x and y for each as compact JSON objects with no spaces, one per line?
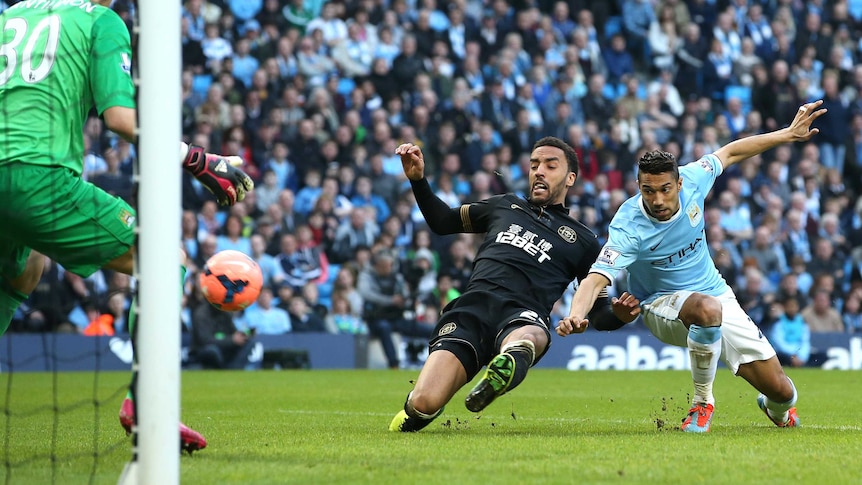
{"x":190,"y":440}
{"x":127,"y":415}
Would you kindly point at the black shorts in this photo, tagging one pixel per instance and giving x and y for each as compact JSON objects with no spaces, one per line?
{"x":474,"y":325}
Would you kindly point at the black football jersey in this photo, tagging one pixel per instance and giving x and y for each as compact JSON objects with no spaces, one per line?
{"x":531,"y":253}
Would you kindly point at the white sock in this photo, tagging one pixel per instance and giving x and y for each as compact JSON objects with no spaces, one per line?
{"x":704,"y":347}
{"x":778,"y":410}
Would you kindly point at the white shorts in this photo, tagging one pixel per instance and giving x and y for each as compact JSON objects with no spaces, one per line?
{"x":741,"y":341}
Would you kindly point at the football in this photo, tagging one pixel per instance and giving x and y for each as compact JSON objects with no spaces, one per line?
{"x":231,"y":280}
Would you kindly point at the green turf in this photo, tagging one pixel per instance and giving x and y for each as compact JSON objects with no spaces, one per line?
{"x":330,"y":427}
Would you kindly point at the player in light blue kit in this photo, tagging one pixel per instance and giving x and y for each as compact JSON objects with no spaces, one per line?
{"x":658,"y":236}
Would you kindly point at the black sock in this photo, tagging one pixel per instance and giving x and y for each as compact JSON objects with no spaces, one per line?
{"x":523,"y":360}
{"x":416,"y":420}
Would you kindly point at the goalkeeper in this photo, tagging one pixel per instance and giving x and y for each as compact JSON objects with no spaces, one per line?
{"x":59,"y":60}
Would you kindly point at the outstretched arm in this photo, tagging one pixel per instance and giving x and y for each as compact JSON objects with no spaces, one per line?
{"x":440,"y":217}
{"x":625,"y":309}
{"x":799,"y":130}
{"x":220,"y":175}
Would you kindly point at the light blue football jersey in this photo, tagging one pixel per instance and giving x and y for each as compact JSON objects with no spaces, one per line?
{"x":663,"y":257}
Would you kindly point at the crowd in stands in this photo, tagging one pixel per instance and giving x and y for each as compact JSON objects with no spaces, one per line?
{"x":315,"y":95}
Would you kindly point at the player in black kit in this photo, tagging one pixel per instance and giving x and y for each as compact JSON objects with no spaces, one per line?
{"x":532,"y":250}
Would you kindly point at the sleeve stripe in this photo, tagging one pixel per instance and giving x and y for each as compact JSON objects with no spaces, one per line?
{"x":465,"y":218}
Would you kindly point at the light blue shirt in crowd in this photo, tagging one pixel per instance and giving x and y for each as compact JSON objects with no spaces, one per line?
{"x":274,"y":321}
{"x":269,"y":268}
{"x":242,"y":244}
{"x":791,"y":336}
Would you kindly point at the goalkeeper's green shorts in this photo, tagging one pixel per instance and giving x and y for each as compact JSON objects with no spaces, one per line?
{"x":57,"y":213}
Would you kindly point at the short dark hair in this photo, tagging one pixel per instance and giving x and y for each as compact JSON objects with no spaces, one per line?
{"x":571,"y":156}
{"x":656,"y":162}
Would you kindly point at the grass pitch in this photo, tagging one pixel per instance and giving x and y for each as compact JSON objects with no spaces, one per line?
{"x":330,"y":427}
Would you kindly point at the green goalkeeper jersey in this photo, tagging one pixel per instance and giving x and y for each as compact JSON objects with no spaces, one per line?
{"x":58,"y":59}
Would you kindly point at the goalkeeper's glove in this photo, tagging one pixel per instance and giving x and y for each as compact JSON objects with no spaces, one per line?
{"x":218,"y":174}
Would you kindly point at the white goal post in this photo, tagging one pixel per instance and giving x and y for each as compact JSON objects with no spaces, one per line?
{"x":158,"y":259}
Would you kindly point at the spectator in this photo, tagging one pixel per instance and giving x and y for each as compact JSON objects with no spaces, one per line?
{"x":322,"y":224}
{"x":206,"y":250}
{"x":271,"y":15}
{"x":301,"y":263}
{"x":270,"y":268}
{"x":354,"y":55}
{"x":421,"y":275}
{"x":287,"y":218}
{"x":342,"y":320}
{"x":767,"y":254}
{"x":790,"y":335}
{"x":718,"y":70}
{"x":561,"y":21}
{"x":836,"y":129}
{"x":596,"y":105}
{"x":267,"y":192}
{"x":387,"y":298}
{"x":825,"y":261}
{"x":735,"y":219}
{"x":341,"y":204}
{"x":345,"y":287}
{"x":852,"y":314}
{"x":408,"y":63}
{"x":814,"y":33}
{"x":309,"y":193}
{"x":298,"y":16}
{"x":755,"y":26}
{"x":458,"y":264}
{"x":520,"y":137}
{"x":831,"y":230}
{"x":668,"y":94}
{"x":112,"y":180}
{"x":232,"y":238}
{"x":755,"y":294}
{"x":691,"y":57}
{"x":496,"y":108}
{"x":116,"y":307}
{"x":193,"y":13}
{"x":638,"y":15}
{"x":333,"y":28}
{"x":215,"y":47}
{"x":663,"y":38}
{"x":216,"y":342}
{"x":264,"y":318}
{"x":820,"y":315}
{"x":355,"y":232}
{"x":777,"y":100}
{"x":386,"y":48}
{"x":618,"y":60}
{"x":244,"y":64}
{"x":788,"y":287}
{"x":657,"y":119}
{"x":312,"y":64}
{"x":311,"y":293}
{"x":365,"y":198}
{"x":191,"y":234}
{"x":302,"y":319}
